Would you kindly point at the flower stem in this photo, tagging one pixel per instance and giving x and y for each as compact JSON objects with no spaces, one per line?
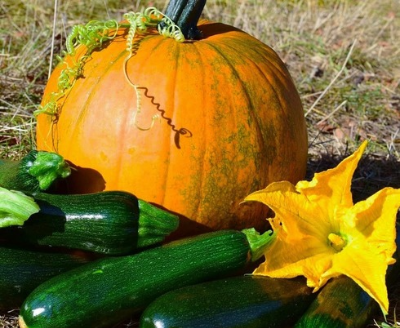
{"x":258,"y":242}
{"x":15,"y":207}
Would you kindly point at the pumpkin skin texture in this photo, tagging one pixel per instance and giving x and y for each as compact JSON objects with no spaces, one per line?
{"x":230,"y":121}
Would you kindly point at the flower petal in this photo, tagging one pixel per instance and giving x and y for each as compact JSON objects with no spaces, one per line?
{"x":331,"y":188}
{"x":375,"y":219}
{"x":294,"y":214}
{"x":365,"y":268}
{"x":307,"y":257}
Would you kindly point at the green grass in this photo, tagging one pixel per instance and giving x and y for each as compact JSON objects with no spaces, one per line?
{"x":344,"y":57}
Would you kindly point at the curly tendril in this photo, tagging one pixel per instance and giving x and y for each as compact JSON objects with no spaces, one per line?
{"x":140,"y":22}
{"x":151,"y":17}
{"x":93,"y":35}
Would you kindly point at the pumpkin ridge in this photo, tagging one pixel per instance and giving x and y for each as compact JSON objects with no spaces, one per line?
{"x":278,"y":99}
{"x":180,"y":59}
{"x":234,"y":72}
{"x":205,"y":187}
{"x":168,"y":142}
{"x":139,"y":38}
{"x":92,"y":93}
{"x":245,"y":95}
{"x":205,"y":178}
{"x":202,"y":170}
{"x":276,"y":74}
{"x":252,"y":109}
{"x":272,"y":58}
{"x":286,"y":115}
{"x":53,"y":132}
{"x":280,"y":73}
{"x":244,"y":91}
{"x":123,"y":55}
{"x":146,"y":89}
{"x":121,"y":144}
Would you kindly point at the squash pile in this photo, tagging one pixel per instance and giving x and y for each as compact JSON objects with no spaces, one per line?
{"x":94,"y":260}
{"x":167,"y":123}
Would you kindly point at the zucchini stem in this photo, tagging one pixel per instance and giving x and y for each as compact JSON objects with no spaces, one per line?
{"x":48,"y":167}
{"x":36,"y":171}
{"x":15,"y":207}
{"x":258,"y":242}
{"x":154,"y":224}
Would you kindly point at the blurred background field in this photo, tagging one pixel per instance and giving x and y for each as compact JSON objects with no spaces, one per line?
{"x":344,"y":57}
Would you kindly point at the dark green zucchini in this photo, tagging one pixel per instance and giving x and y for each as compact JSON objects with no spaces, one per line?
{"x":111,"y":290}
{"x":344,"y":304}
{"x":36,"y":171}
{"x":110,"y":222}
{"x":341,"y":303}
{"x":21,"y":271}
{"x":244,"y":301}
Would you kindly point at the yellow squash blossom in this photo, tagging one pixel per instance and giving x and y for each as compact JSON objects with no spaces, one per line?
{"x":321,"y":234}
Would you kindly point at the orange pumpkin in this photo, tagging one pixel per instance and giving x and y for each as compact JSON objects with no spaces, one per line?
{"x":228,"y":122}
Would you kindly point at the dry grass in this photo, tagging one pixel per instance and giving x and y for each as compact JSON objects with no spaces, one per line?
{"x":343,"y":56}
{"x":9,"y":320}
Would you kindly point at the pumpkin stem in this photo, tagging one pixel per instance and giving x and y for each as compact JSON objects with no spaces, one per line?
{"x":186,"y":14}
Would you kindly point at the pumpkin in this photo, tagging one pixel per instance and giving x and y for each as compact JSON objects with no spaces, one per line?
{"x":216,"y":119}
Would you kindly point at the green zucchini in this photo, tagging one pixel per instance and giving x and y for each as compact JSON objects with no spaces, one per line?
{"x":344,"y":304}
{"x":36,"y":171}
{"x":109,"y":222}
{"x":110,"y":290}
{"x":244,"y":301}
{"x":341,"y":303}
{"x":23,"y":270}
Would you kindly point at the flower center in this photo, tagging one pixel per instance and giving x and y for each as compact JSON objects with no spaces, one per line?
{"x":336,"y":241}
